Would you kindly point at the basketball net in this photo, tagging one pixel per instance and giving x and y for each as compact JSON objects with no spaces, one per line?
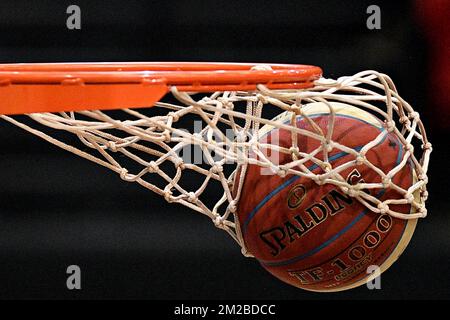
{"x":165,"y":150}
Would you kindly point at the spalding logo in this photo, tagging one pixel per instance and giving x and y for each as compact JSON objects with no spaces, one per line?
{"x":296,"y":196}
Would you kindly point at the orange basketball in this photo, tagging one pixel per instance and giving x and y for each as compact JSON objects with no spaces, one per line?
{"x":314,"y":236}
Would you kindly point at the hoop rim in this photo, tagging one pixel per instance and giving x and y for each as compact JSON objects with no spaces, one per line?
{"x":172,"y":73}
{"x":30,"y":87}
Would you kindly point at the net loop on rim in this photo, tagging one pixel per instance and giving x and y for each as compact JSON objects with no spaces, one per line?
{"x":190,"y":146}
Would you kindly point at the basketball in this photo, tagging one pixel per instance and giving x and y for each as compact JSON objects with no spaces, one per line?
{"x":320,"y":180}
{"x":316,"y":237}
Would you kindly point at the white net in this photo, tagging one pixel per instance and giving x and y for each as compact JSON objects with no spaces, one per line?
{"x":189,"y":148}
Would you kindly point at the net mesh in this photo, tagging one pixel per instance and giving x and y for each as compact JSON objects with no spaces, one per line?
{"x":189,"y":147}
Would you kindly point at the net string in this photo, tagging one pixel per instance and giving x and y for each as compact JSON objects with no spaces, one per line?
{"x":154,"y":143}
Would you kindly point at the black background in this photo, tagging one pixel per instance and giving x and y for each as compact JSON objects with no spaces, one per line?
{"x":57,"y":210}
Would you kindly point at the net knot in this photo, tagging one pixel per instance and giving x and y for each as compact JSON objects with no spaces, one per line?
{"x":386,"y":182}
{"x":319,"y":180}
{"x":232,"y":206}
{"x":240,"y":136}
{"x":216,"y":168}
{"x":326,"y":166}
{"x":383,"y":207}
{"x":152,"y":167}
{"x":218,"y":222}
{"x":344,"y":190}
{"x":226,"y":103}
{"x":124,"y":174}
{"x":168,"y":196}
{"x":112,"y":146}
{"x":296,"y":109}
{"x":353,"y":192}
{"x":166,"y":135}
{"x":192,"y":197}
{"x":281,"y":172}
{"x":294,"y":151}
{"x":175,"y":117}
{"x":427,"y":146}
{"x":404,"y":120}
{"x":409,"y":197}
{"x":423,"y":211}
{"x":327,"y":146}
{"x":360,"y":159}
{"x":423,"y":177}
{"x":409,"y":147}
{"x":245,"y":252}
{"x":179,"y":163}
{"x":197,"y":138}
{"x":415,"y":116}
{"x":264,"y":99}
{"x":390,"y":125}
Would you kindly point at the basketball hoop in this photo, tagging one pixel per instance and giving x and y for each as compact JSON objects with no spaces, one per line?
{"x":236,"y":105}
{"x":54,"y":87}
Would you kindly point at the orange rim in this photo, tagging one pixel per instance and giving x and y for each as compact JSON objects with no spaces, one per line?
{"x":52,"y":87}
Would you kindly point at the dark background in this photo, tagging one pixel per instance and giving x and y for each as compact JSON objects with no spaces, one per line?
{"x":57,"y":209}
